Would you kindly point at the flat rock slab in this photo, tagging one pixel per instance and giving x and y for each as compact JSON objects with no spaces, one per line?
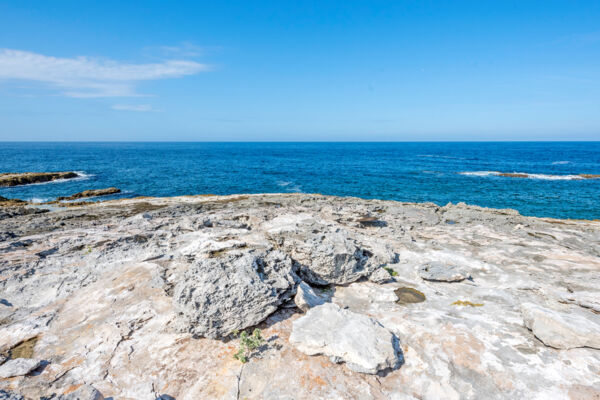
{"x":19,"y":367}
{"x":359,"y":341}
{"x":440,"y":272}
{"x":562,"y":330}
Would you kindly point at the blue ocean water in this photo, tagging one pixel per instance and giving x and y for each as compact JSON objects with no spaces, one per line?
{"x":415,"y":172}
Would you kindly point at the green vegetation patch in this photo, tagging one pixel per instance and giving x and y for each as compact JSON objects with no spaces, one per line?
{"x":466,"y":303}
{"x":248,"y":344}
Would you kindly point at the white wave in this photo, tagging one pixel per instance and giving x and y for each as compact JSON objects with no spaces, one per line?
{"x":38,"y":200}
{"x":479,"y":173}
{"x":530,"y":176}
{"x":561,"y":162}
{"x":438,"y":156}
{"x":289,"y":186}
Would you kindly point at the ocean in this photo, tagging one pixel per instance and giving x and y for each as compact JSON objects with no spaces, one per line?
{"x":547,"y":185}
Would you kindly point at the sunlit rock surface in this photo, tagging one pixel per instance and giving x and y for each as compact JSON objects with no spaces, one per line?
{"x":122,"y":296}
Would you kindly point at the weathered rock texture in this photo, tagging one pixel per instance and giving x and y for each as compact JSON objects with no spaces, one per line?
{"x":359,"y":341}
{"x":122,"y":295}
{"x":27,"y":178}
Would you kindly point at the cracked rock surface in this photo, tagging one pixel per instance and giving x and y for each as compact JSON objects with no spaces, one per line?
{"x":136,"y":299}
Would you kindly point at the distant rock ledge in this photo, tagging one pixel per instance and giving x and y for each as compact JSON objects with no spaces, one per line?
{"x":8,"y":179}
{"x":91,"y":193}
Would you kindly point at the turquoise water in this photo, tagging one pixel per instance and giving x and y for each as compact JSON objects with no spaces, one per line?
{"x":416,"y":172}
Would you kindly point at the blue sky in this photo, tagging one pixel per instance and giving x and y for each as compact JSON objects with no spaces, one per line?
{"x":305,"y":70}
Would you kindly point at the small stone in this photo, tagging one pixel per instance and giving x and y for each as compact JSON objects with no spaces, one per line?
{"x":439,"y":272}
{"x":359,"y":341}
{"x":562,"y":330}
{"x":380,"y":276}
{"x":19,"y":367}
{"x":306,"y":297}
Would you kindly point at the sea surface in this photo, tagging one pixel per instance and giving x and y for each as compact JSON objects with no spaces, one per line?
{"x":415,"y":172}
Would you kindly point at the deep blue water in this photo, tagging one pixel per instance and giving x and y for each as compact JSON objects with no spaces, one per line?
{"x":413,"y":172}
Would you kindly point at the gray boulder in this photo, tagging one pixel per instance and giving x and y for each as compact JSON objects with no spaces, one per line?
{"x":359,"y":341}
{"x":18,"y":367}
{"x":327,"y":254}
{"x":239,"y":289}
{"x":306,"y":297}
{"x":439,"y":272}
{"x":562,"y":330}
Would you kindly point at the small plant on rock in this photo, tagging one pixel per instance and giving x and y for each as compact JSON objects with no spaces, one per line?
{"x":391,"y":271}
{"x":248,"y":343}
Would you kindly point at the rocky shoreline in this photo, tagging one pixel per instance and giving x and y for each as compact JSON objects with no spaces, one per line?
{"x":355,"y":299}
{"x":8,"y":179}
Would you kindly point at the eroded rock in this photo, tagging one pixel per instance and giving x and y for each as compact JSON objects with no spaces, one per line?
{"x":359,"y":341}
{"x":239,"y":289}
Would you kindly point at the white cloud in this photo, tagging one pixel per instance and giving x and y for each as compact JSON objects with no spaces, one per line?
{"x":88,"y":77}
{"x":134,"y":107}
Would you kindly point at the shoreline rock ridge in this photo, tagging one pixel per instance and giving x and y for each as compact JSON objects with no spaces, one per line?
{"x":144,"y":298}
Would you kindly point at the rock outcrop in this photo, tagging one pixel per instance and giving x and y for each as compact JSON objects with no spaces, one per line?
{"x":359,"y":341}
{"x":126,"y":296}
{"x":90,"y":193}
{"x":240,"y":289}
{"x":27,"y":178}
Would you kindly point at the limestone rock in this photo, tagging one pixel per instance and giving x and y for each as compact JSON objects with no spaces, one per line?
{"x":381,"y":275}
{"x":84,"y":392}
{"x":18,"y":367}
{"x":306,"y":297}
{"x":440,"y":272}
{"x":327,"y":255}
{"x":359,"y":341}
{"x":239,"y":289}
{"x":562,"y":330}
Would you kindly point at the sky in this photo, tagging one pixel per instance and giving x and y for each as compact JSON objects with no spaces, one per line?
{"x":412,"y":70}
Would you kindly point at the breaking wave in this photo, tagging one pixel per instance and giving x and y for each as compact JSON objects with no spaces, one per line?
{"x":526,"y":175}
{"x":289,"y":186}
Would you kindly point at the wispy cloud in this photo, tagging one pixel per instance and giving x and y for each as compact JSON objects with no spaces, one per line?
{"x":134,"y":107}
{"x":90,"y":77}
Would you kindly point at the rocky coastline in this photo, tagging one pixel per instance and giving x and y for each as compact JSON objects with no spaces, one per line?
{"x":352,"y":299}
{"x":8,"y":179}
